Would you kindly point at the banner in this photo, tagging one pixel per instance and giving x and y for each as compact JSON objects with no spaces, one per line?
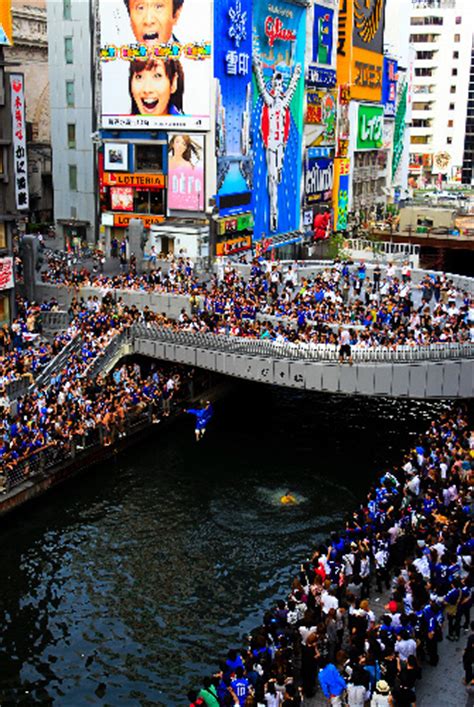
{"x":323,"y":35}
{"x":318,"y":179}
{"x":233,"y":71}
{"x":20,"y":165}
{"x":6,"y":32}
{"x":321,"y":114}
{"x":341,"y":193}
{"x":185,"y":172}
{"x":277,"y":115}
{"x":389,"y":86}
{"x":156,"y":64}
{"x":139,"y":179}
{"x":369,"y":127}
{"x":6,"y":273}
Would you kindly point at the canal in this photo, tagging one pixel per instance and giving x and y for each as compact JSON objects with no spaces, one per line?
{"x":123,"y":586}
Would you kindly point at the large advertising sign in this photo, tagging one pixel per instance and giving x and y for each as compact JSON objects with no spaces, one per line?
{"x":6,"y":31}
{"x":233,"y":71}
{"x":359,"y":48}
{"x":341,"y":193}
{"x":6,"y":273}
{"x":156,"y":63}
{"x":369,"y":25}
{"x":369,"y":127}
{"x":323,"y":34}
{"x":389,"y":86}
{"x":318,"y":179}
{"x":185,"y":172}
{"x":20,"y":165}
{"x":277,"y":115}
{"x":321,"y":113}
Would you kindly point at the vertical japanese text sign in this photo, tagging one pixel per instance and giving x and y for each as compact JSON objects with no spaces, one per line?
{"x":20,"y":166}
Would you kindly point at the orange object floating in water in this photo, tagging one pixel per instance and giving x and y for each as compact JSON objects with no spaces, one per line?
{"x":288,"y":498}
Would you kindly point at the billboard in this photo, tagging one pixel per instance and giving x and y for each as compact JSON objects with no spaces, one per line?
{"x":6,"y":29}
{"x":156,"y":64}
{"x":368,"y":25}
{"x":389,"y":86}
{"x":321,"y":115}
{"x":6,"y":273}
{"x":369,"y":127}
{"x":20,"y":165}
{"x":318,"y":179}
{"x":279,"y":30}
{"x":185,"y":172}
{"x":341,"y":193}
{"x":121,"y":198}
{"x":323,"y":35}
{"x":233,"y":71}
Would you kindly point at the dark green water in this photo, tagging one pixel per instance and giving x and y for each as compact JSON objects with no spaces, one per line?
{"x":123,"y":587}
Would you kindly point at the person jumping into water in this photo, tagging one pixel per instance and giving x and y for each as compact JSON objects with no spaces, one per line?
{"x":203,"y":416}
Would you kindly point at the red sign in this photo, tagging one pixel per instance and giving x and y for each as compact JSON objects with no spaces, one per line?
{"x":274,"y":30}
{"x":6,"y":273}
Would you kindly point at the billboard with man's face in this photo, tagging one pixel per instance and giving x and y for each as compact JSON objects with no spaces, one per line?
{"x":156,"y":63}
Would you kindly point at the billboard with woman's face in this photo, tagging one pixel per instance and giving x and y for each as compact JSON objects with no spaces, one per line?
{"x":156,"y":63}
{"x":185,"y":172}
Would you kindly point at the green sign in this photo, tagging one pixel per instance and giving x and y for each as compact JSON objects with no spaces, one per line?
{"x":370,"y":127}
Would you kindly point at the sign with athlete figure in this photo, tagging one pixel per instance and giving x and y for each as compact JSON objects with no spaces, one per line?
{"x":277,"y":115}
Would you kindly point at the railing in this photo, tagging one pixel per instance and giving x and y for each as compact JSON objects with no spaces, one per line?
{"x":301,"y":351}
{"x":107,"y":354}
{"x":57,"y":363}
{"x":54,"y":322}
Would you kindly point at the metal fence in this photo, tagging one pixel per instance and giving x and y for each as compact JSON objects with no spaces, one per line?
{"x":300,"y":351}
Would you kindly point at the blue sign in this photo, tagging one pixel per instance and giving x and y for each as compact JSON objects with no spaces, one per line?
{"x":323,"y":38}
{"x":320,"y":77}
{"x":318,"y":179}
{"x":389,"y":86}
{"x":277,"y":115}
{"x":233,"y":71}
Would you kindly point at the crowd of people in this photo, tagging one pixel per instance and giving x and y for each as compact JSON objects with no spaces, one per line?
{"x":382,"y":309}
{"x":411,"y":538}
{"x":74,"y":405}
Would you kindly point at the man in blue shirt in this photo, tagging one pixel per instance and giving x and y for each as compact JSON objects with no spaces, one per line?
{"x":240,"y":686}
{"x":332,"y":683}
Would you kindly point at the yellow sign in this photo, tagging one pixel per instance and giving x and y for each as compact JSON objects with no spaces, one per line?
{"x":122,"y":220}
{"x":6,"y":31}
{"x":123,"y":179}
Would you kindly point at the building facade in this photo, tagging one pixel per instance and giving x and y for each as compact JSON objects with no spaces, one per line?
{"x":71,"y":81}
{"x":441,"y":38}
{"x":468,"y":163}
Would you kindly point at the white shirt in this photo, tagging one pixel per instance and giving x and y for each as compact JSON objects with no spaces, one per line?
{"x":328,"y":602}
{"x":405,"y":648}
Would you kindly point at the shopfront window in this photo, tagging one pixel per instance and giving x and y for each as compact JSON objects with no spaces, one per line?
{"x":3,"y":236}
{"x":4,"y":310}
{"x":148,"y":158}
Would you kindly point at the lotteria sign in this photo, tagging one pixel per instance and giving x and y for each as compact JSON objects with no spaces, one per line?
{"x":370,"y":127}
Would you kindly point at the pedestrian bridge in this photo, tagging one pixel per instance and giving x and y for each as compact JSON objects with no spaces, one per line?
{"x":430,"y":372}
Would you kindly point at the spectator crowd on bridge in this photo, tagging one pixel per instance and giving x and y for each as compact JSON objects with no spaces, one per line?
{"x":412,"y":538}
{"x":385,"y":309}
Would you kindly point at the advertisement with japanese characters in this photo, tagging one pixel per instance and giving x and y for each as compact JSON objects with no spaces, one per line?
{"x":323,"y":34}
{"x":321,"y":113}
{"x":389,"y":86}
{"x":369,"y":127}
{"x":341,"y":193}
{"x":20,"y":166}
{"x":156,"y":63}
{"x":233,"y":72}
{"x":6,"y":273}
{"x":185,"y":172}
{"x":277,"y":115}
{"x":318,"y":179}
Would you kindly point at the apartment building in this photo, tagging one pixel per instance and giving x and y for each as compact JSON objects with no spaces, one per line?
{"x":441,"y":40}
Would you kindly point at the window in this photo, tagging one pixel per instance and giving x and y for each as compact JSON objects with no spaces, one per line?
{"x":451,"y":106}
{"x":70,"y":94}
{"x":67,"y":10}
{"x":73,"y":177}
{"x":71,"y":135}
{"x":68,"y":50}
{"x":458,"y":20}
{"x":149,"y":158}
{"x":424,"y":72}
{"x":449,"y":140}
{"x":456,"y":55}
{"x":425,"y":55}
{"x":450,"y":123}
{"x":454,"y":72}
{"x":452,"y":89}
{"x":3,"y":235}
{"x":457,"y":37}
{"x":421,"y":123}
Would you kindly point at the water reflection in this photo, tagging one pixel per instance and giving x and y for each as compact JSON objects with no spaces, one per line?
{"x":123,"y":587}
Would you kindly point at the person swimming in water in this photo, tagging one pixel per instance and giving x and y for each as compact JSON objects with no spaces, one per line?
{"x":203,"y":416}
{"x":288,"y":498}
